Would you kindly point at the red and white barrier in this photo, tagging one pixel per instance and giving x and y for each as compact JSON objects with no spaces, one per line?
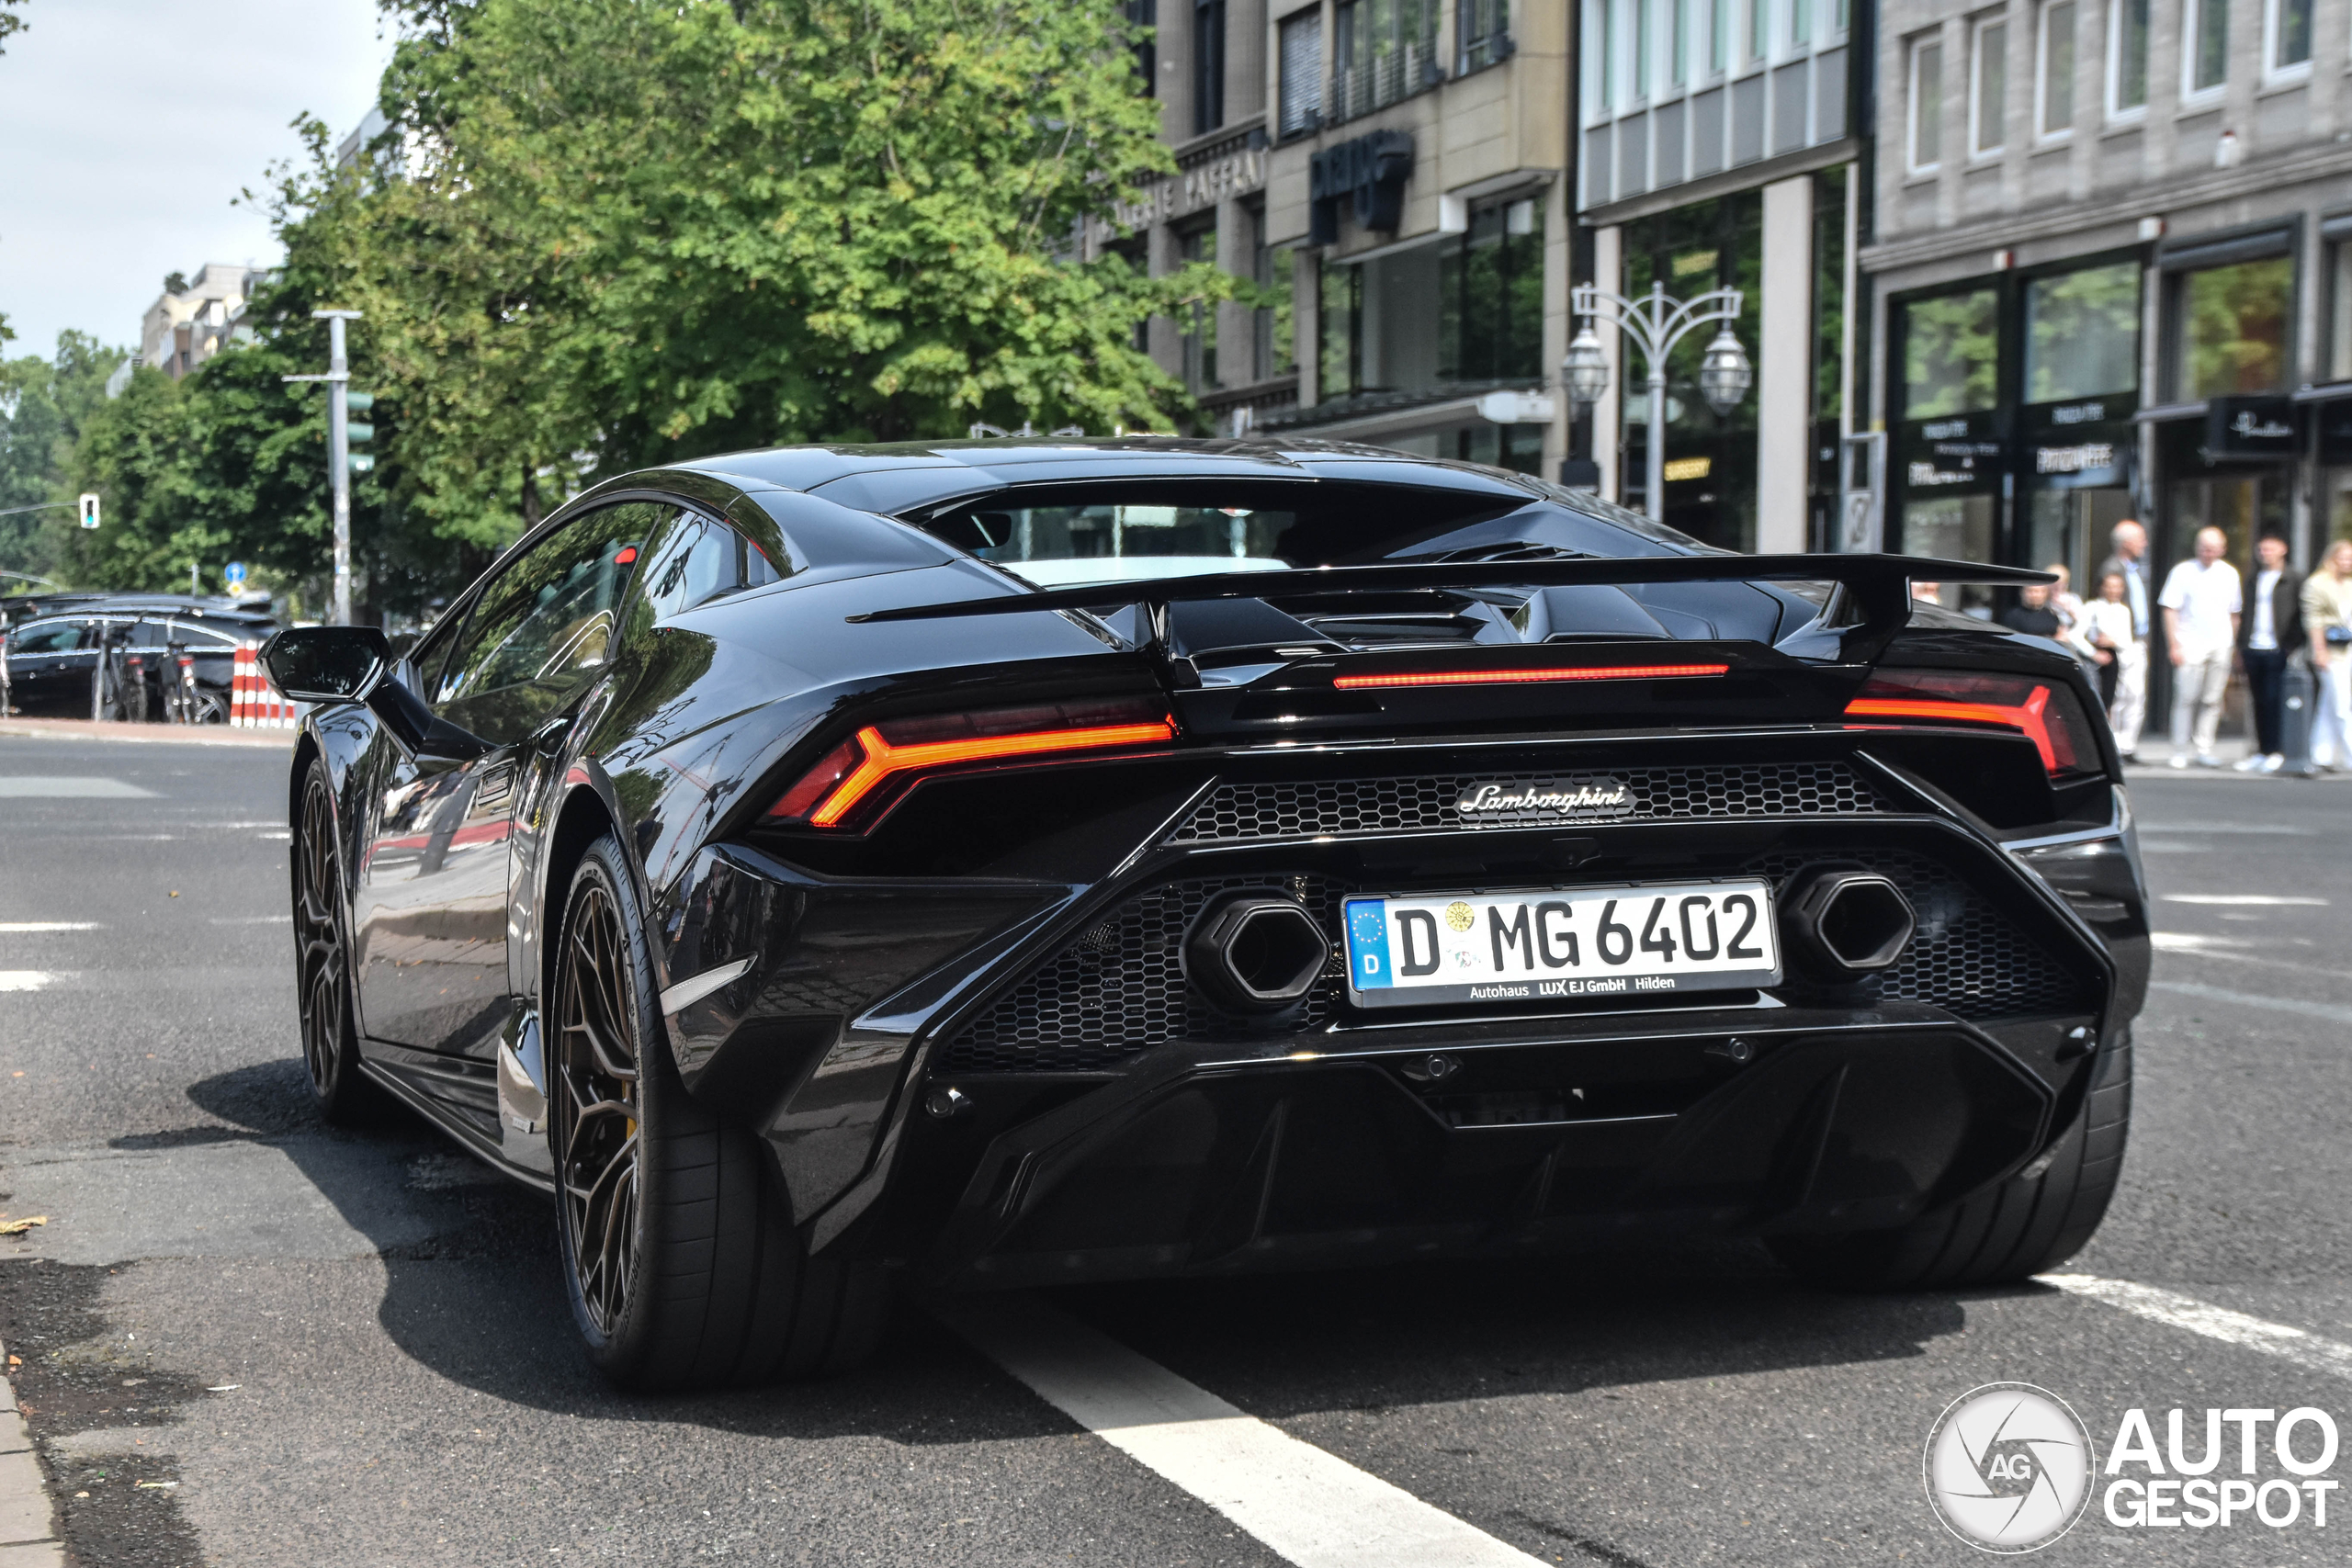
{"x":254,"y":703}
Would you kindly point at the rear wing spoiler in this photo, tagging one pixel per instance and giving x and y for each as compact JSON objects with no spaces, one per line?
{"x":1877,"y":587}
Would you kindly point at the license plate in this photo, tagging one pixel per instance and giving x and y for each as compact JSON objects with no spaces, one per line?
{"x":1430,"y":949}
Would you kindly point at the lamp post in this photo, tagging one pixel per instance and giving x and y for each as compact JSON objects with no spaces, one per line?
{"x":1655,"y":322}
{"x":338,"y":378}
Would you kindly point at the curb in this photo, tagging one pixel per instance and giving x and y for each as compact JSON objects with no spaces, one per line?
{"x":162,"y":734}
{"x":27,"y":1526}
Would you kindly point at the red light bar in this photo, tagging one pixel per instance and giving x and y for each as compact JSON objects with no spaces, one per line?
{"x":882,"y":759}
{"x":1507,"y":677}
{"x":2026,"y":718}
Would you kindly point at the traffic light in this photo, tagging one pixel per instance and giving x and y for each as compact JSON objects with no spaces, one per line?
{"x":354,"y":432}
{"x":89,"y":510}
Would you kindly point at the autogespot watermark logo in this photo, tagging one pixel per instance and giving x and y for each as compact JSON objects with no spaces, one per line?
{"x":2009,"y":1467}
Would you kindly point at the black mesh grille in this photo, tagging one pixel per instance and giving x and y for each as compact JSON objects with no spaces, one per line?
{"x":1308,"y":808}
{"x":1118,"y":989}
{"x":1967,"y":957}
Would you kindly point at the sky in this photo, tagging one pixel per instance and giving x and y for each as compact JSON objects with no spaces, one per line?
{"x":128,"y":127}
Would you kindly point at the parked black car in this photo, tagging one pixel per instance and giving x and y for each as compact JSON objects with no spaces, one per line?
{"x":123,"y":660}
{"x":1055,"y":860}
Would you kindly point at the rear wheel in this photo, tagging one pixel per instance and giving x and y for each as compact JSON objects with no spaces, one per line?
{"x":322,"y":961}
{"x":684,"y":1267}
{"x":2032,"y":1222}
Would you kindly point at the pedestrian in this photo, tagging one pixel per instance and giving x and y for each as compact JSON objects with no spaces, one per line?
{"x":2032,"y":615}
{"x":2128,"y":713}
{"x":1927,"y":593}
{"x":2104,"y":636}
{"x":2270,"y":630}
{"x":2064,"y":599}
{"x":2327,"y":621}
{"x":2201,"y":601}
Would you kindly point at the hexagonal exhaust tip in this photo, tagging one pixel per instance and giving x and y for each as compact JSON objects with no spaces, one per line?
{"x":1257,"y":953}
{"x":1852,"y":922}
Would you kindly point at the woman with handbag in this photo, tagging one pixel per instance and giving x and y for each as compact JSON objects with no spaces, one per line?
{"x":2103,"y":635}
{"x":2327,"y":614}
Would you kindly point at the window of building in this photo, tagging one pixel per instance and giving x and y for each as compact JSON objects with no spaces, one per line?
{"x":2205,"y":47}
{"x":1383,"y":51}
{"x":1927,"y":105}
{"x":2287,"y":38}
{"x":1271,"y":349}
{"x":1300,"y":95}
{"x":2228,"y":329}
{"x":2339,"y":305}
{"x":2127,"y":59}
{"x":1208,"y":65}
{"x":1143,"y":18}
{"x":1678,"y":61}
{"x":1988,"y":96}
{"x":1200,"y":320}
{"x":1951,"y":353}
{"x":1490,"y":297}
{"x":1645,"y":79}
{"x":1759,"y":29}
{"x":2054,"y":82}
{"x":1719,"y":34}
{"x":1339,"y":319}
{"x":1482,"y":31}
{"x":1800,"y":21}
{"x":2082,"y":334}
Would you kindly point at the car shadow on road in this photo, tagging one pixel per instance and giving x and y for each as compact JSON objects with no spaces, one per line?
{"x":480,"y":1300}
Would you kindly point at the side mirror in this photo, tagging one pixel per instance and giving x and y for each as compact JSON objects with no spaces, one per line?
{"x":327,"y":664}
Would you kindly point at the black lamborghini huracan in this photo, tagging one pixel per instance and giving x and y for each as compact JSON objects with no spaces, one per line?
{"x":1017,"y":861}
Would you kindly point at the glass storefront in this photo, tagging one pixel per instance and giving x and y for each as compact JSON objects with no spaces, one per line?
{"x":1710,"y":458}
{"x":2231,"y":328}
{"x":1379,"y":334}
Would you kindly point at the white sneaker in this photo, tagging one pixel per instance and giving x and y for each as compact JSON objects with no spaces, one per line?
{"x":2180,"y":760}
{"x":2206,"y":759}
{"x":2249,"y":763}
{"x":2273,"y":762}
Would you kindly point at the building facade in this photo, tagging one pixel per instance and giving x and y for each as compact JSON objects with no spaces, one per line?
{"x":1394,"y":175}
{"x":1719,"y":150}
{"x":2112,"y":271}
{"x":187,"y":326}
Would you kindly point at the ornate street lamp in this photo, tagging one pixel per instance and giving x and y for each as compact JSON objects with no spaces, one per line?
{"x":1655,"y":322}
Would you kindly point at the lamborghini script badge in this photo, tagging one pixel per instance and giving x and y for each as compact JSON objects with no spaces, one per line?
{"x":1579,"y":798}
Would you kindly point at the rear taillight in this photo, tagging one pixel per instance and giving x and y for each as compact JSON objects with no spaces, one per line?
{"x":2045,"y":712}
{"x":858,"y":770}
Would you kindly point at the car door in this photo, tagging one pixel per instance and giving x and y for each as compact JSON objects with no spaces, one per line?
{"x":48,"y":675}
{"x":430,"y":906}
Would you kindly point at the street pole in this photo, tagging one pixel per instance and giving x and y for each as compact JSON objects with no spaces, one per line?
{"x":1655,"y":322}
{"x":338,"y":378}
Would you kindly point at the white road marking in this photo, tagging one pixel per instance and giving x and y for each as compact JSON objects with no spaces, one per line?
{"x":2224,"y":949}
{"x":2264,"y":828}
{"x":250,"y":920}
{"x":1311,"y":1507}
{"x":2239,"y":899}
{"x":34,"y":786}
{"x":2298,"y":1346}
{"x":25,"y":979}
{"x":22,"y":928}
{"x":2328,"y":1010}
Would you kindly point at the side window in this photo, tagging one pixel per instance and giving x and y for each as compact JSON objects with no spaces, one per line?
{"x":549,"y":615}
{"x":702,"y":561}
{"x":54,"y":636}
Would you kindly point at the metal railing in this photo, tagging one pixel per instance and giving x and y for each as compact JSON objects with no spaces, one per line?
{"x":1410,"y":67}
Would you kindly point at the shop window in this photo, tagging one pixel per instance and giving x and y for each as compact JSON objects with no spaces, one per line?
{"x":2287,"y":38}
{"x":2082,"y":334}
{"x":1300,"y":95}
{"x":1273,"y":324}
{"x":2228,"y":329}
{"x":1519,"y":447}
{"x":1339,"y":321}
{"x":1208,"y":65}
{"x":2127,"y":59}
{"x":2205,"y":47}
{"x":1988,"y":95}
{"x":1482,"y":31}
{"x":1200,"y":320}
{"x":1490,"y":297}
{"x":2339,"y":305}
{"x":1927,"y":105}
{"x":1951,"y":353}
{"x":2053,"y":90}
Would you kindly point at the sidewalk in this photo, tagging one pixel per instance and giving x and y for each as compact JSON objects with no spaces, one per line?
{"x":27,"y":1530}
{"x":2155,"y":763}
{"x":170,"y":734}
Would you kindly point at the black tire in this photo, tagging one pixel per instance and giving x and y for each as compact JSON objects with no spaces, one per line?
{"x":2031,"y":1222}
{"x":680,"y":1257}
{"x":322,"y":963}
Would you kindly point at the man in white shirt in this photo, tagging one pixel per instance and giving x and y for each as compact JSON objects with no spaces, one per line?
{"x":2203,"y":600}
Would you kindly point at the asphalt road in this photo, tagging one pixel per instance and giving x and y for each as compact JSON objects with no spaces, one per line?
{"x":353,"y":1348}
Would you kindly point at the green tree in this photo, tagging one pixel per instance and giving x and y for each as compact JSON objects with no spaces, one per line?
{"x":44,"y":407}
